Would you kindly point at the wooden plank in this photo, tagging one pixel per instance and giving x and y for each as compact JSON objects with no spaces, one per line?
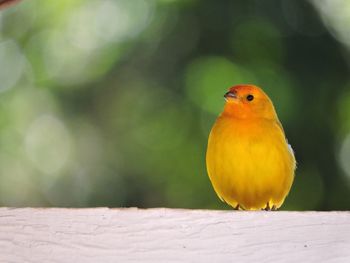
{"x":172,"y":235}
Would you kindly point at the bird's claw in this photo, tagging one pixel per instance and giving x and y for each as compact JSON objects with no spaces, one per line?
{"x":268,"y":208}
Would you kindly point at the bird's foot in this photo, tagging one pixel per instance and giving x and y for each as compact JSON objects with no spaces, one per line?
{"x":269,"y":208}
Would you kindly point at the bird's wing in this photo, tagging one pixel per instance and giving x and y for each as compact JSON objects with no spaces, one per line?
{"x":290,"y":149}
{"x":280,"y":126}
{"x":282,"y":130}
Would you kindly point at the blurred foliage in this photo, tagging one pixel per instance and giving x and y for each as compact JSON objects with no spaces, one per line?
{"x":110,"y":102}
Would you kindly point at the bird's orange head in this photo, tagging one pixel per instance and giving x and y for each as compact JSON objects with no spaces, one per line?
{"x":248,"y":101}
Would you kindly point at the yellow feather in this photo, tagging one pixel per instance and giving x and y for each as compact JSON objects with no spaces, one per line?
{"x":248,"y":160}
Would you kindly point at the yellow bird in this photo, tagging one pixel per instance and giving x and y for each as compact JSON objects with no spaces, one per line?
{"x":249,"y":161}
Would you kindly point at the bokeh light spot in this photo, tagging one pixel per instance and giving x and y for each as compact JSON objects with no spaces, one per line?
{"x":48,"y":144}
{"x":99,"y":22}
{"x":11,"y":64}
{"x":336,"y":16}
{"x":85,"y":45}
{"x":17,"y":185}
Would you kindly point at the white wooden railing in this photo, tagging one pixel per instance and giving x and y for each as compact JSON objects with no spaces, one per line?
{"x":172,"y":235}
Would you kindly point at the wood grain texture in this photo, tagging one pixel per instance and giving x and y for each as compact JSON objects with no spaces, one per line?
{"x":172,"y":235}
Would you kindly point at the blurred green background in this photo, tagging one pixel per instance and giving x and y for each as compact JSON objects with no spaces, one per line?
{"x":110,"y":103}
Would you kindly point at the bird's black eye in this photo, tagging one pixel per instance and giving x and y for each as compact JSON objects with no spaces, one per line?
{"x":250,"y":97}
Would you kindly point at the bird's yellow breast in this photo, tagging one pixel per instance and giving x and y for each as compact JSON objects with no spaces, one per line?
{"x":249,"y":162}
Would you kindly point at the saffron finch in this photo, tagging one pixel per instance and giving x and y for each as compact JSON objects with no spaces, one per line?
{"x":249,"y":161}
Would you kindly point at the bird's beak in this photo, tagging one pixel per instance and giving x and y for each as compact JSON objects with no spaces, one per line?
{"x":230,"y":95}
